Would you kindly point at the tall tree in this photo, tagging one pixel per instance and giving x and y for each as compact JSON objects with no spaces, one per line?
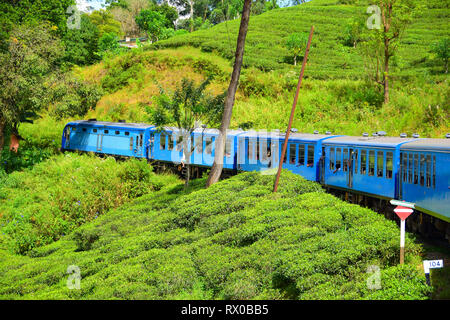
{"x":152,"y":22}
{"x":217,"y":167}
{"x":33,"y":53}
{"x":188,"y":108}
{"x":394,"y":17}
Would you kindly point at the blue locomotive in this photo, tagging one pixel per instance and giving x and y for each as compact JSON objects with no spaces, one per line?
{"x":373,"y":168}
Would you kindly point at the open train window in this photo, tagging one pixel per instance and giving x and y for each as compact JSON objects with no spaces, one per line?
{"x":301,"y":154}
{"x":84,"y":129}
{"x":171,"y":142}
{"x":389,"y":164}
{"x":199,"y":144}
{"x":117,"y":132}
{"x":179,"y":145}
{"x":95,"y":130}
{"x":208,"y":143}
{"x":162,"y":141}
{"x":422,"y":169}
{"x":192,"y":144}
{"x":137,"y":141}
{"x":371,"y":162}
{"x":338,"y":158}
{"x":127,"y":133}
{"x":106,"y":131}
{"x":310,"y":156}
{"x":380,"y":163}
{"x":140,"y":140}
{"x":292,"y":151}
{"x":416,"y":169}
{"x":331,"y":158}
{"x":363,"y":161}
{"x":228,"y":148}
{"x":345,"y":162}
{"x":428,"y":173}
{"x":410,"y":168}
{"x":355,"y":160}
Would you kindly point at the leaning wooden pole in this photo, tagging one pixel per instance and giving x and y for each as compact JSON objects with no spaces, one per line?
{"x":283,"y":152}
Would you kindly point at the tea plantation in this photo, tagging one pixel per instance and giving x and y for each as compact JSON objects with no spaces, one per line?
{"x":234,"y":240}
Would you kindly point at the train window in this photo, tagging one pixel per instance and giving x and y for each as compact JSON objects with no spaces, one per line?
{"x":371,"y":162}
{"x":131,"y":143}
{"x":363,"y":161}
{"x":416,"y":169}
{"x":179,"y":145}
{"x":301,"y":154}
{"x":208,"y":143}
{"x":389,"y":164}
{"x":292,"y":151}
{"x":95,"y":130}
{"x":228,"y":148}
{"x":269,"y":150}
{"x":257,"y":149}
{"x":428,"y":173}
{"x":434,"y":171}
{"x":250,"y":149}
{"x":140,"y":141}
{"x":345,"y":162}
{"x":410,"y":168}
{"x":422,"y":169}
{"x":331,"y":158}
{"x":338,"y":158}
{"x":310,"y":156}
{"x":162,"y":141}
{"x":355,"y":162}
{"x":192,"y":144}
{"x":264,"y":149}
{"x":127,"y":133}
{"x":380,"y":164}
{"x":199,"y":144}
{"x":117,"y":132}
{"x":106,"y":131}
{"x":404,"y":166}
{"x":84,"y":129}
{"x":137,"y":141}
{"x":74,"y":128}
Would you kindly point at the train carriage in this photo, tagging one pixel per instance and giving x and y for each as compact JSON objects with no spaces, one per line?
{"x":114,"y":138}
{"x":368,"y":165}
{"x":425,"y":176}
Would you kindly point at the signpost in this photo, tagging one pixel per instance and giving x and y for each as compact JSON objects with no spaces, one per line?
{"x":403,"y":210}
{"x":431,"y":264}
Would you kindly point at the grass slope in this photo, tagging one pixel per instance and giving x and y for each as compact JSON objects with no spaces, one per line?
{"x":234,"y":240}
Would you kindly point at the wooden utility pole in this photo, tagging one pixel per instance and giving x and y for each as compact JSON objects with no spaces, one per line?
{"x":217,"y":167}
{"x":283,"y":152}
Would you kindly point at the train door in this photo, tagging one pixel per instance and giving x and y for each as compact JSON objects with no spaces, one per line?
{"x":322,"y":167}
{"x":139,"y":144}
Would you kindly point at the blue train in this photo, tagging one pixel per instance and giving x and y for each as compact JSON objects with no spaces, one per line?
{"x":377,"y":167}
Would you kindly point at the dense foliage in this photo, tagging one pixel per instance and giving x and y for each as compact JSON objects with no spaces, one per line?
{"x":40,"y":205}
{"x":234,"y":240}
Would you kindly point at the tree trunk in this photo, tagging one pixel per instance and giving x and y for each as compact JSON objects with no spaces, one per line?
{"x":191,"y":3}
{"x":295,"y":60}
{"x":217,"y":167}
{"x":386,"y":72}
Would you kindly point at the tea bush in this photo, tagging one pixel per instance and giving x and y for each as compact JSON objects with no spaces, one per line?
{"x":42,"y":204}
{"x":234,"y":240}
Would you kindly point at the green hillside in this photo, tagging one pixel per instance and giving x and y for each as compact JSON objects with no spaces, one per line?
{"x":329,"y":58}
{"x":234,"y":240}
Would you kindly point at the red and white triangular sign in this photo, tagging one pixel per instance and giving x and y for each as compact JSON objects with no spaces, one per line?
{"x":403,"y":212}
